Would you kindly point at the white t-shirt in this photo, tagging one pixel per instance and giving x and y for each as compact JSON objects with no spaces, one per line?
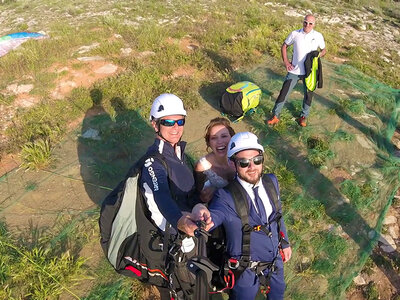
{"x":303,"y":43}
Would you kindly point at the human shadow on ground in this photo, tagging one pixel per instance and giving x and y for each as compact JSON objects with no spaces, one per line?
{"x":109,"y":144}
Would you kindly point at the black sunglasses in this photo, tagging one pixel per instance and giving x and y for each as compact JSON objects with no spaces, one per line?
{"x":308,"y":23}
{"x":170,"y":123}
{"x":245,"y":162}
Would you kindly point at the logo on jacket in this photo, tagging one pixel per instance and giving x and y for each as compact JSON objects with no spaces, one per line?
{"x":148,"y":162}
{"x":152,"y":174}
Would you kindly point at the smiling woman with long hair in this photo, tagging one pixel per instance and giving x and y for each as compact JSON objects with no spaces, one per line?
{"x":212,"y":170}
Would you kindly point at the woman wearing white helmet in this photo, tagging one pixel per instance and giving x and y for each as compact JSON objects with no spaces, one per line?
{"x":168,"y":187}
{"x":166,"y":111}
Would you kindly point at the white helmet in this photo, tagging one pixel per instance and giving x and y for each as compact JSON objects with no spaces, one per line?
{"x":243,"y":141}
{"x":166,"y":105}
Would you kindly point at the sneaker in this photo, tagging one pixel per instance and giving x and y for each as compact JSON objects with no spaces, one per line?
{"x":302,"y":121}
{"x":274,"y":120}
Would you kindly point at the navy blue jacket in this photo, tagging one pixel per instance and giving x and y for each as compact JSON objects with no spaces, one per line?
{"x":167,"y":193}
{"x":262,"y":247}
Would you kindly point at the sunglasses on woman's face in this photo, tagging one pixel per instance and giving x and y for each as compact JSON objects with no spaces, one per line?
{"x":170,"y":123}
{"x":245,"y":162}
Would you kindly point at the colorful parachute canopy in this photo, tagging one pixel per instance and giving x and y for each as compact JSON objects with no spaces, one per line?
{"x":13,"y":40}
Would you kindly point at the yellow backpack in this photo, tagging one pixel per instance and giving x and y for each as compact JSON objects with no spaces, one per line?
{"x":239,"y":99}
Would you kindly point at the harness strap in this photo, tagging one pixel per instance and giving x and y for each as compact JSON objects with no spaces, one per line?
{"x":237,"y":266}
{"x":171,"y":243}
{"x":242,"y":208}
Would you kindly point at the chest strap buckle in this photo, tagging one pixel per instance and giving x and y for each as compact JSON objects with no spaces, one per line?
{"x":233,"y":263}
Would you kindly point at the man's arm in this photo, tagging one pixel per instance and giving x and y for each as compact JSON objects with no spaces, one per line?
{"x":216,"y":213}
{"x":322,"y":53}
{"x":187,"y":223}
{"x":287,"y":63}
{"x":201,"y":213}
{"x":154,"y":181}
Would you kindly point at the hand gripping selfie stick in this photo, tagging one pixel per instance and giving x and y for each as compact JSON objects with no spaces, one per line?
{"x":200,"y":265}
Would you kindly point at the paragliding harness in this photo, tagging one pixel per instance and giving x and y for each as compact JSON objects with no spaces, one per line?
{"x":233,"y":268}
{"x":134,"y":245}
{"x":240,"y":99}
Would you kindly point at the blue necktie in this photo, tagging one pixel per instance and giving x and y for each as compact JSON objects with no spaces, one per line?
{"x":260,"y":206}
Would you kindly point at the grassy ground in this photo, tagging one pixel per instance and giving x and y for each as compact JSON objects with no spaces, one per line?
{"x":333,"y":223}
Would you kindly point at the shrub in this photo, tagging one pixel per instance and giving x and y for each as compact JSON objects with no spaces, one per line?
{"x":36,"y":272}
{"x":318,"y":151}
{"x":36,"y":155}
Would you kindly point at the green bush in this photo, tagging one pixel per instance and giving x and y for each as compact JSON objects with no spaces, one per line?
{"x":318,"y":151}
{"x":36,"y":155}
{"x":371,"y":291}
{"x":360,"y":195}
{"x":35,"y":272}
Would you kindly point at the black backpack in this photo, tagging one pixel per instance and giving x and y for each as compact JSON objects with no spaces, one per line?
{"x":132,"y":243}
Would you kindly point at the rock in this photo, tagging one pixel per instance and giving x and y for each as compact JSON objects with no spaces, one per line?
{"x":85,"y":49}
{"x":365,"y":143}
{"x":19,"y":89}
{"x":345,"y":199}
{"x":126,"y":51}
{"x":145,"y":54}
{"x":389,"y":220}
{"x":90,"y":58}
{"x":293,"y":13}
{"x":192,"y":47}
{"x":375,"y":174}
{"x":359,"y":280}
{"x":305,"y":260}
{"x":107,"y":69}
{"x":91,"y":134}
{"x":388,"y":248}
{"x":394,"y":231}
{"x":387,"y":240}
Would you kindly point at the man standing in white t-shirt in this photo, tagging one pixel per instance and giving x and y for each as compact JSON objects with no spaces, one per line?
{"x":304,"y":41}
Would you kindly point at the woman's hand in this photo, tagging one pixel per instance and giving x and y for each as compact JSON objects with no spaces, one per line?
{"x":206,"y":194}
